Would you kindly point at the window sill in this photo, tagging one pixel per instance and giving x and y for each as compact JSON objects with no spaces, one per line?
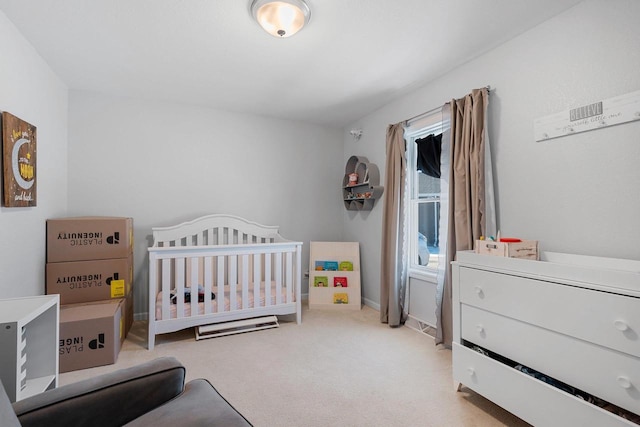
{"x":423,"y":274}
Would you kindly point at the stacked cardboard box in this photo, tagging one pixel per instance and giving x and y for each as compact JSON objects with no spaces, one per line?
{"x":90,"y":265}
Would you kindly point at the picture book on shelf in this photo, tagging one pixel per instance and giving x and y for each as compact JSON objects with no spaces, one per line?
{"x":331,"y":265}
{"x":346,"y":266}
{"x":326,"y":266}
{"x":341,"y":298}
{"x":339,"y":282}
{"x":321,"y":281}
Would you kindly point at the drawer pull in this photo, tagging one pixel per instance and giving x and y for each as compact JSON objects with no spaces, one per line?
{"x":624,"y":382}
{"x":480,"y":329}
{"x":471,"y":372}
{"x":479,"y":291}
{"x":621,"y":325}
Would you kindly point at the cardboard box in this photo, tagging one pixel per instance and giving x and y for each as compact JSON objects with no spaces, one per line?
{"x":90,"y":334}
{"x":89,"y":238}
{"x":86,"y":281}
{"x":527,"y":249}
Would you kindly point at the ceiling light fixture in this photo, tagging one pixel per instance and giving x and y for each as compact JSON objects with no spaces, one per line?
{"x":281,"y":18}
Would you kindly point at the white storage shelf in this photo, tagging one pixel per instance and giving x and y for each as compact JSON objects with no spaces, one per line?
{"x":323,"y":297}
{"x":29,"y":345}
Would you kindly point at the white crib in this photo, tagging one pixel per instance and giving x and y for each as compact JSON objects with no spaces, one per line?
{"x":243,"y":270}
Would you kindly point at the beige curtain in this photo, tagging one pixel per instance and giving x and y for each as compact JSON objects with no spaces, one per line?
{"x":469,"y":217}
{"x":392,"y":263}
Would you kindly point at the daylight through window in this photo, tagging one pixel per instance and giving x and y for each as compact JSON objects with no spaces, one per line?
{"x":424,"y":142}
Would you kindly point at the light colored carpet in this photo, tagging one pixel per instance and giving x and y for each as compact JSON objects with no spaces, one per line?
{"x":337,"y":368}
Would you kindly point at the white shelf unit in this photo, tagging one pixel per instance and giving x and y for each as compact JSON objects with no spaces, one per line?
{"x":29,"y":345}
{"x":323,"y":297}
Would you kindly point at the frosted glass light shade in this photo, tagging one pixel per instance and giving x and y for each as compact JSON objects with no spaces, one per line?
{"x":281,"y":18}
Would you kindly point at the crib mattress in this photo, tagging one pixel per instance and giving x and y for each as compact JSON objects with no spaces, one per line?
{"x":173,"y":308}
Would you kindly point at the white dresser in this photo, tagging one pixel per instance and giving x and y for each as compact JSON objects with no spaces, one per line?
{"x":575,"y":319}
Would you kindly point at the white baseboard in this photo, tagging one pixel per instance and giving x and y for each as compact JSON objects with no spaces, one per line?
{"x":372,"y":304}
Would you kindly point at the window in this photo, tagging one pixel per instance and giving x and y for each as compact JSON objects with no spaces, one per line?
{"x":423,"y":195}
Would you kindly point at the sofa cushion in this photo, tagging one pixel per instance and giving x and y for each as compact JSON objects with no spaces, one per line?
{"x":199,"y":405}
{"x":7,"y":416}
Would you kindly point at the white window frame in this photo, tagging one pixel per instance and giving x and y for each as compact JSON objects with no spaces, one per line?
{"x":430,"y":123}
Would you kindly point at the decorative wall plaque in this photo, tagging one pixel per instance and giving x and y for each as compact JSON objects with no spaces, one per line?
{"x":19,"y":162}
{"x":608,"y":112}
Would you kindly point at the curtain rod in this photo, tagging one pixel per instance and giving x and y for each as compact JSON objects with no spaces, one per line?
{"x":433,"y":110}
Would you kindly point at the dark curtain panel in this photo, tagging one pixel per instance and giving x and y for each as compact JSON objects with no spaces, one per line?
{"x":428,"y":159}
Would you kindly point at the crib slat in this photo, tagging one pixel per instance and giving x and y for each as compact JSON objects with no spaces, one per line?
{"x":256,"y":279}
{"x":165,"y":282}
{"x":193,"y":284}
{"x":278,"y":278}
{"x":233,"y":282}
{"x":220,"y":298}
{"x":208,"y":283}
{"x":267,"y":279}
{"x":245,"y":281}
{"x":289,"y":278}
{"x":179,"y":281}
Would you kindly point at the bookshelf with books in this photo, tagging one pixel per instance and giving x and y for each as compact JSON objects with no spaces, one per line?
{"x":334,"y":275}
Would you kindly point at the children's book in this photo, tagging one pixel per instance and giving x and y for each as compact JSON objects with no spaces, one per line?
{"x":319,"y":265}
{"x":341,"y":298}
{"x":339,"y":282}
{"x":346,"y":266}
{"x":331,"y":265}
{"x":321,"y":281}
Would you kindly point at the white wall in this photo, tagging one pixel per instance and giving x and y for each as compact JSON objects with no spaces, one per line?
{"x":32,"y":92}
{"x":166,"y":163}
{"x":576,"y":194}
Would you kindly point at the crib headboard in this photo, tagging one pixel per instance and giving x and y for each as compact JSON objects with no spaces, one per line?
{"x":216,"y":229}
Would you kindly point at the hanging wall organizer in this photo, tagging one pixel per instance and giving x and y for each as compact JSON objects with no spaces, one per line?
{"x":360,"y":186}
{"x":608,"y":112}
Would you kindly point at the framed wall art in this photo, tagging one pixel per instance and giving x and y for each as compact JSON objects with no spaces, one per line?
{"x":18,"y":162}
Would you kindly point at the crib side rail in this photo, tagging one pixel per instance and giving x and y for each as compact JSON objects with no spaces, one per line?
{"x":251,"y":275}
{"x":231,"y":249}
{"x":216,"y":229}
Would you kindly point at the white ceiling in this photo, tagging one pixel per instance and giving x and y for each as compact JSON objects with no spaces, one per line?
{"x":352,"y":58}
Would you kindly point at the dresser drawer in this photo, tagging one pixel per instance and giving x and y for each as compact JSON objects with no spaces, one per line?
{"x":609,"y":320}
{"x":608,"y":374}
{"x":534,"y":401}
